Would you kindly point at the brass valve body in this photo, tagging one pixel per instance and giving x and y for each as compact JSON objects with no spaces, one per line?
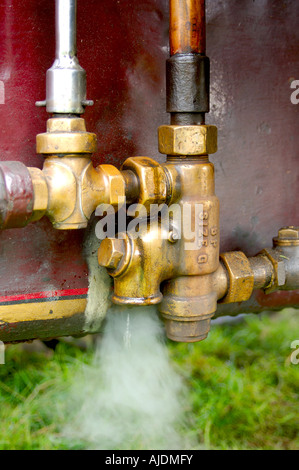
{"x":139,"y":264}
{"x":69,"y":188}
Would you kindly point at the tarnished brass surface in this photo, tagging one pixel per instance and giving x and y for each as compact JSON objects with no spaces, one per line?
{"x":111,"y":252}
{"x":146,"y":261}
{"x":287,"y":236}
{"x":66,"y":136}
{"x":187,"y":140}
{"x":66,"y":125}
{"x":41,"y":193}
{"x":132,"y":185}
{"x":52,"y":144}
{"x":262,"y":269}
{"x":76,"y":188}
{"x":189,"y":303}
{"x":101,"y":185}
{"x":193,"y":185}
{"x":73,"y":186}
{"x":195,"y":278}
{"x":241,"y":278}
{"x":279,"y":274}
{"x":152,"y":180}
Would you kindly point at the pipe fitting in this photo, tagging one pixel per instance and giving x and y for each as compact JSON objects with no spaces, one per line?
{"x":189,"y":303}
{"x":183,"y":71}
{"x":241,"y":277}
{"x":111,"y":253}
{"x":66,"y":136}
{"x":66,"y":79}
{"x":278,"y":278}
{"x":164,"y":251}
{"x":40,"y":193}
{"x":16,"y":195}
{"x":152,"y":180}
{"x":75,"y":187}
{"x":187,"y":140}
{"x":287,"y":236}
{"x":287,"y":245}
{"x":144,"y":260}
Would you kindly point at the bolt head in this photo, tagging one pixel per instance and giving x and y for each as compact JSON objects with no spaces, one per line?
{"x":289,"y":233}
{"x":287,"y":236}
{"x":111,"y":252}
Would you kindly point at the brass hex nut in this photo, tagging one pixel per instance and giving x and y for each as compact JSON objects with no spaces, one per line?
{"x":152,"y":180}
{"x":101,"y":185}
{"x":241,"y":278}
{"x":58,"y":143}
{"x":111,"y":252}
{"x":114,"y":184}
{"x":187,"y":140}
{"x":66,"y":125}
{"x":279,"y":273}
{"x":66,"y":136}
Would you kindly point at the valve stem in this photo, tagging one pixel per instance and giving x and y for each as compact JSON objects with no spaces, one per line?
{"x":66,"y":79}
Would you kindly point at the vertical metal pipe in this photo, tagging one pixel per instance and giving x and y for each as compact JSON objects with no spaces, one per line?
{"x":187,"y":32}
{"x":187,"y":69}
{"x":66,"y":28}
{"x":66,"y":79}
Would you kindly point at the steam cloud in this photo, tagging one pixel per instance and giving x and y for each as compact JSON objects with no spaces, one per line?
{"x":130,"y":397}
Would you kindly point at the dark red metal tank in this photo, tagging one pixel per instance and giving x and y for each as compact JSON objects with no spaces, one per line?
{"x":123,"y":45}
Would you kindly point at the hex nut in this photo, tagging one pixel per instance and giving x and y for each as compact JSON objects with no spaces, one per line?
{"x":241,"y":278}
{"x":114,"y":184}
{"x":66,"y":125}
{"x":66,"y":136}
{"x":279,"y":273}
{"x":111,"y":252}
{"x":187,"y":140}
{"x":57,"y":143}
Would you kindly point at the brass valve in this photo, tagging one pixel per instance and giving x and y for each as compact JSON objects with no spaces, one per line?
{"x":160,"y":253}
{"x":69,"y":188}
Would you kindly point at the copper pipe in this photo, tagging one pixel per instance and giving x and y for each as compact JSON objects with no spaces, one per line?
{"x":187,"y":32}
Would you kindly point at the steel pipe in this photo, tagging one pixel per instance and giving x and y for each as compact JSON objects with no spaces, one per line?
{"x":66,"y":79}
{"x":66,"y":29}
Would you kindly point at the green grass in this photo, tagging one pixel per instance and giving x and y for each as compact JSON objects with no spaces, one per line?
{"x":242,"y":387}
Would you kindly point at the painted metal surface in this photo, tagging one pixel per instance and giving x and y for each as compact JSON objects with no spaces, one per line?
{"x":123,"y":45}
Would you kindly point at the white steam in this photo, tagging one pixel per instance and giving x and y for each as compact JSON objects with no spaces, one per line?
{"x":130,"y":397}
